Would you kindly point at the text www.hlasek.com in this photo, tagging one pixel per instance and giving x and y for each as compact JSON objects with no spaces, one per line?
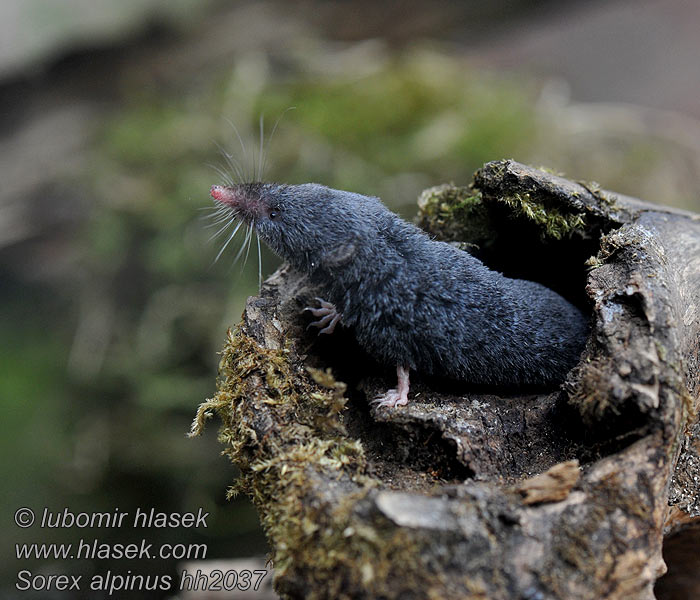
{"x":94,"y":549}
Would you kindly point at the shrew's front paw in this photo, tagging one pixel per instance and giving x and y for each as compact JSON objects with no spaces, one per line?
{"x":330,"y":317}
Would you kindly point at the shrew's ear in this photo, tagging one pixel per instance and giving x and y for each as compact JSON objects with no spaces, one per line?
{"x":339,"y":255}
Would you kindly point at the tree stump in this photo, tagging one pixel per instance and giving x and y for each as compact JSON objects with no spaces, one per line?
{"x":475,"y":492}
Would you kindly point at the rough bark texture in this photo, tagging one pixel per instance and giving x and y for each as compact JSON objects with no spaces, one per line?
{"x":481,"y":493}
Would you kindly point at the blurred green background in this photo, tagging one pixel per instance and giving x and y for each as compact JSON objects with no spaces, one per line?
{"x":112,"y":309}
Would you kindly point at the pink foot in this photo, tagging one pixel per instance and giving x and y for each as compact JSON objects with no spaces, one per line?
{"x":329,"y":316}
{"x":398,"y":396}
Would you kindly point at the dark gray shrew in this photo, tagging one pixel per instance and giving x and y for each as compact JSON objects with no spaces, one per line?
{"x":412,"y":302}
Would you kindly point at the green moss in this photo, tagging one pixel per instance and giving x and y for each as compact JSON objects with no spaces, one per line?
{"x":552,"y":222}
{"x":476,"y":214}
{"x":454,"y":213}
{"x":283,"y":427}
{"x":252,"y":378}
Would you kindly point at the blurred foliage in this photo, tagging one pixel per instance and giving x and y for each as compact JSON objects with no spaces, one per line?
{"x":421,"y":112}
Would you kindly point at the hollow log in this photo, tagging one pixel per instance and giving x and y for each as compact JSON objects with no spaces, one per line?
{"x":473,"y":492}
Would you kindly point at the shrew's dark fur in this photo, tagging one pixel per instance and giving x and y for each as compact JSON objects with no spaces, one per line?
{"x":410,"y":300}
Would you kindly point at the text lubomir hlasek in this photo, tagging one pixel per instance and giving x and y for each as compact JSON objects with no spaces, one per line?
{"x":142,"y":519}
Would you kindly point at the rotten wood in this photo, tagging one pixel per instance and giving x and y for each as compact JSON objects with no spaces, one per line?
{"x":476,"y":493}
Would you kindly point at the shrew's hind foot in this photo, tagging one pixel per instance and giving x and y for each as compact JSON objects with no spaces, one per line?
{"x":399,"y":395}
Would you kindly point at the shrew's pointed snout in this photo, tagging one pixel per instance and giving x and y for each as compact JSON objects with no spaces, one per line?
{"x":223,"y":195}
{"x":243,"y":199}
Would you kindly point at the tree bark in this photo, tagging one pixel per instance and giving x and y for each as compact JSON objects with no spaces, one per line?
{"x":481,"y":493}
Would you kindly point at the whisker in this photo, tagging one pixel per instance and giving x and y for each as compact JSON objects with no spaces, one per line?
{"x":233,"y":164}
{"x":242,"y":248}
{"x":219,"y":221}
{"x":224,"y":228}
{"x":257,"y":239}
{"x":249,"y":239}
{"x":214,"y":208}
{"x":240,"y":139}
{"x":223,"y":174}
{"x":228,"y":241}
{"x":269,"y":139}
{"x":260,"y":149}
{"x":218,"y":210}
{"x":219,"y":217}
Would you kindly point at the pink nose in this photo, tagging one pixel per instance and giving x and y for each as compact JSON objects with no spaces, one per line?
{"x":224,"y":195}
{"x":218,"y":192}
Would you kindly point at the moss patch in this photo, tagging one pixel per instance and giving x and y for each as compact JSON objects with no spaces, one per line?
{"x":455,"y":214}
{"x":465,"y":214}
{"x":283,"y":427}
{"x":552,"y":221}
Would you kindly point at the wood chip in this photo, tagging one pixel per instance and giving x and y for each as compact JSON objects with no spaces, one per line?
{"x":551,"y":486}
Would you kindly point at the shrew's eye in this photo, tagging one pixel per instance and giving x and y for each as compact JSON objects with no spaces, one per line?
{"x":273,"y":215}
